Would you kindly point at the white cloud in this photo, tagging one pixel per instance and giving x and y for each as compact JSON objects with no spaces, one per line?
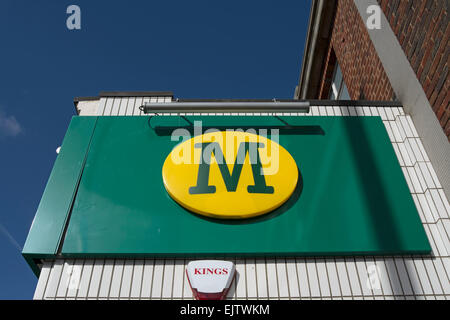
{"x":9,"y":126}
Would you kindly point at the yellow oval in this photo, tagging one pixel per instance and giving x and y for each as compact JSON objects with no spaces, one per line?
{"x":234,"y":189}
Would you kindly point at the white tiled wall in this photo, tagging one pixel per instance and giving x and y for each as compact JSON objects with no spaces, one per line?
{"x":390,"y":277}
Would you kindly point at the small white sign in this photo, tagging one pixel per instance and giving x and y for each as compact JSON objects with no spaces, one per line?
{"x":210,"y":279}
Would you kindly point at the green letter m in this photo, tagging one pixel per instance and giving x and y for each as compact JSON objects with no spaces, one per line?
{"x":231,"y":180}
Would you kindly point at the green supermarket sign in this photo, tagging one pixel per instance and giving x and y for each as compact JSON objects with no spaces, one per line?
{"x":106,"y":198}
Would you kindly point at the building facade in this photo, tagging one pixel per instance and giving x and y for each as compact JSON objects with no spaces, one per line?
{"x":345,"y":65}
{"x":404,"y":58}
{"x":339,"y":277}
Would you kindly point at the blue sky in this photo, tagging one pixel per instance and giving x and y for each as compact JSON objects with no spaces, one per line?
{"x":197,"y":49}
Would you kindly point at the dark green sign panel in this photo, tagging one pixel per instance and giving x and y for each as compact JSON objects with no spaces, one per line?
{"x":351,"y":198}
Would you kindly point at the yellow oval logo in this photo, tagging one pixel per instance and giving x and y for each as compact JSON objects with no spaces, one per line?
{"x":230,"y":174}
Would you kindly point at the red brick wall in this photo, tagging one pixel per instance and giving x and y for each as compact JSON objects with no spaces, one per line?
{"x":361,"y":68}
{"x":423,"y":29}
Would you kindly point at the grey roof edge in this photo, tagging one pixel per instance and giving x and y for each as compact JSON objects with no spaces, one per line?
{"x":232,"y":100}
{"x":78,"y":99}
{"x":319,"y":18}
{"x":136,"y":94}
{"x":123,"y":94}
{"x":313,"y":102}
{"x":350,"y":103}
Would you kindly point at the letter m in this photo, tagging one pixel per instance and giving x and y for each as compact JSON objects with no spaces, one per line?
{"x":231,"y":180}
{"x":264,"y":310}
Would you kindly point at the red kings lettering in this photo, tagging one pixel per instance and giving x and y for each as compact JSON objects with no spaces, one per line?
{"x":206,"y":271}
